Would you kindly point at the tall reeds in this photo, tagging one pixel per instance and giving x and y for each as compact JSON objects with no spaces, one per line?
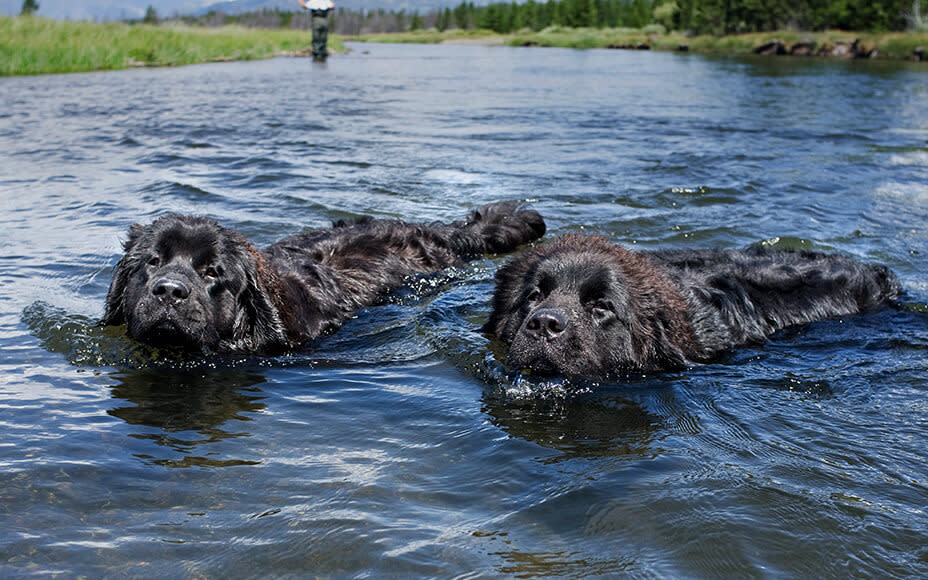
{"x":35,"y":45}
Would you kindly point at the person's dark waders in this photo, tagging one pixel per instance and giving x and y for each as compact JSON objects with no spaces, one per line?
{"x":320,"y":34}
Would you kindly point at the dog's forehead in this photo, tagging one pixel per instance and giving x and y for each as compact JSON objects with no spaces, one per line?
{"x":198,"y":242}
{"x":580,"y":272}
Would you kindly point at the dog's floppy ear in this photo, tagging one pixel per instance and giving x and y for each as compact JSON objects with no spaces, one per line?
{"x":258,"y":326}
{"x":115,"y":299}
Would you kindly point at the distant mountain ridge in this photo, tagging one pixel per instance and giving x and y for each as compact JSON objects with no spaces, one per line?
{"x":242,"y":6}
{"x":123,"y":9}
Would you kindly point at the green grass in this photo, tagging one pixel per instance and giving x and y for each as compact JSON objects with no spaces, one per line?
{"x":430,"y":36}
{"x":891,"y":45}
{"x":34,"y":45}
{"x":562,"y":37}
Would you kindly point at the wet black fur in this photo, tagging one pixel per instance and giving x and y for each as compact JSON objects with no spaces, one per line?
{"x":582,"y":306}
{"x":242,"y":299}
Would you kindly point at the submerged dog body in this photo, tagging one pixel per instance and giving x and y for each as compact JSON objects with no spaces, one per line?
{"x":582,"y":306}
{"x":188,"y":282}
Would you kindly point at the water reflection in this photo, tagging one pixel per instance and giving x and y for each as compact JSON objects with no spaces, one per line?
{"x":190,"y":410}
{"x":579,"y":426}
{"x":84,"y":342}
{"x":561,"y":563}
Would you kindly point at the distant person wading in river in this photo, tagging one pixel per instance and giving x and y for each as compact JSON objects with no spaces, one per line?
{"x":320,"y":12}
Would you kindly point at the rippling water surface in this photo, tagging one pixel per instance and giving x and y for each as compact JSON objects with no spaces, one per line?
{"x":397,"y":447}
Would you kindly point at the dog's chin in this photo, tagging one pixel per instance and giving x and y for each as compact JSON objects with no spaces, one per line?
{"x":536,"y":359}
{"x":547,"y":359}
{"x":170,"y":337}
{"x":170,"y":331}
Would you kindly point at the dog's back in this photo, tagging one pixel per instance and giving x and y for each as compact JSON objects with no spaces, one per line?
{"x":743,"y":296}
{"x":326,"y":275}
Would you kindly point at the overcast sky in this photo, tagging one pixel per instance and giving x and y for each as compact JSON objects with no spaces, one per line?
{"x":104,"y":9}
{"x":107,"y":9}
{"x":122,"y":9}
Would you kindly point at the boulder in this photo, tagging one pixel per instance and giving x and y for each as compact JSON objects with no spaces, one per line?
{"x":836,"y":50}
{"x":774,"y":47}
{"x":861,"y":51}
{"x":802,"y":49}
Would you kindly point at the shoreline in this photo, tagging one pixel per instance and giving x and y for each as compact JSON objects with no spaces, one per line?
{"x":34,"y":45}
{"x":890,"y":46}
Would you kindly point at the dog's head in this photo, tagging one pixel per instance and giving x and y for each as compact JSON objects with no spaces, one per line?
{"x":186,"y":282}
{"x":584,"y":307}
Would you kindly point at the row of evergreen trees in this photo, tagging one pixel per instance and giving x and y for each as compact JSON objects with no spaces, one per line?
{"x":696,"y":16}
{"x":509,"y":17}
{"x":692,"y":16}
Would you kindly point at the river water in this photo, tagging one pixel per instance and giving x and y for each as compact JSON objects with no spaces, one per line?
{"x":398,"y":447}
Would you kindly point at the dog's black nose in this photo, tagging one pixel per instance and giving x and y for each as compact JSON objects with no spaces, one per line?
{"x":167,"y":288}
{"x":546,"y":323}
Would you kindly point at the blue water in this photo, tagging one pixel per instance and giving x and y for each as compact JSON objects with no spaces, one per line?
{"x":398,"y":447}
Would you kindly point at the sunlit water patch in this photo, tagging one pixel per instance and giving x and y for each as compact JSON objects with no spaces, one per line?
{"x":402,"y":446}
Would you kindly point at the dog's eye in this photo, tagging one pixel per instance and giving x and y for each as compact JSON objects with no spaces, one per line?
{"x":601,"y":309}
{"x":535,"y":296}
{"x":154,"y":261}
{"x":213,"y":271}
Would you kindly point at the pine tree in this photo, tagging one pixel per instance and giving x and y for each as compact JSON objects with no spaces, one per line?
{"x":151,"y":17}
{"x":29,"y":7}
{"x":460,"y":16}
{"x":517,"y":17}
{"x":444,"y":20}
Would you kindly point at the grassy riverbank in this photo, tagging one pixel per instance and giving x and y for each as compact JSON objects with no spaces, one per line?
{"x":889,"y":45}
{"x":33,"y":45}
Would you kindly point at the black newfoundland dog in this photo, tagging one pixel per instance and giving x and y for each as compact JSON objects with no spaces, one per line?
{"x":584,"y":307}
{"x":187,"y":282}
